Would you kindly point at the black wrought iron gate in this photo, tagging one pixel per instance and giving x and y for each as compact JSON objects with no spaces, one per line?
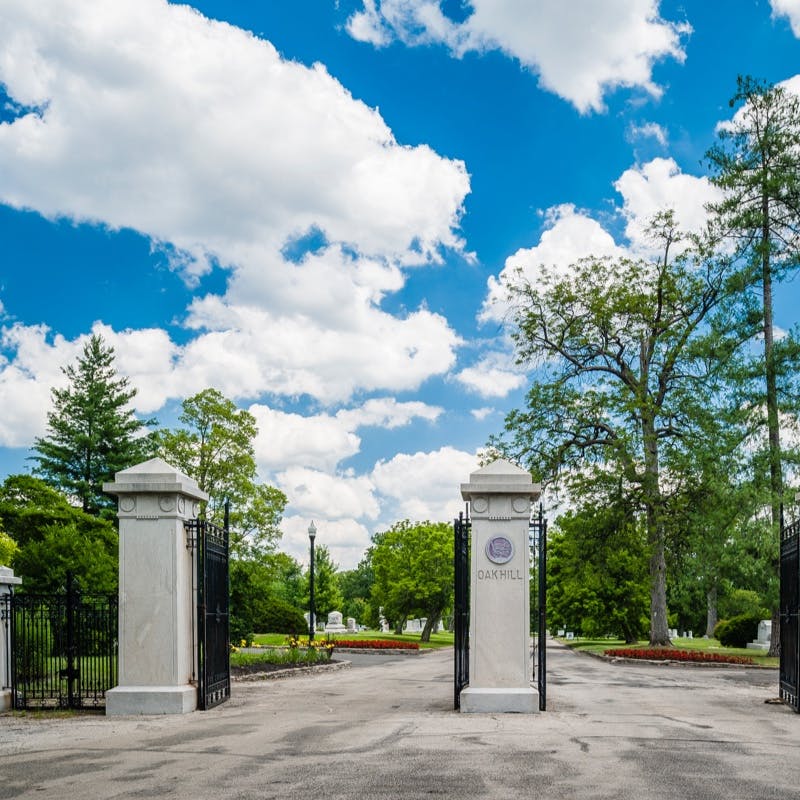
{"x":213,"y":604}
{"x":462,"y":528}
{"x":789,"y":609}
{"x":62,"y":648}
{"x":538,"y":538}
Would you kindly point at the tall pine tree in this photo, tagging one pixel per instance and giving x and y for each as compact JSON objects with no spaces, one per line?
{"x":92,"y":431}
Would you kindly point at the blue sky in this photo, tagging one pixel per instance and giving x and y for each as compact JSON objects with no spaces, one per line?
{"x":310,"y":206}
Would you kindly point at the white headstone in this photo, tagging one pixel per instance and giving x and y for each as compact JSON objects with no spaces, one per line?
{"x":334,"y":623}
{"x":351,"y":625}
{"x":764,"y":636}
{"x":500,"y":496}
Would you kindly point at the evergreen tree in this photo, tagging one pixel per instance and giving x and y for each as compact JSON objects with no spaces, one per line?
{"x":92,"y":432}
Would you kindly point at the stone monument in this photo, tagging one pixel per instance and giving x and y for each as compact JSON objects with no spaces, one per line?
{"x":156,"y":600}
{"x":500,"y":668}
{"x":334,"y":623}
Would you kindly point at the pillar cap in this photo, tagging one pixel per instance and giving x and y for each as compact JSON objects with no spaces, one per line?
{"x":154,"y":476}
{"x":501,"y":477}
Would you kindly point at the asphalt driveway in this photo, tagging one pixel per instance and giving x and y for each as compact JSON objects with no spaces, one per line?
{"x":387,"y":730}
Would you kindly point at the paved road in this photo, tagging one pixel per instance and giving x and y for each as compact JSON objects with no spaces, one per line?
{"x":388,"y":731}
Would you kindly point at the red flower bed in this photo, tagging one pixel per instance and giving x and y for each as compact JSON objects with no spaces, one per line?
{"x":665,"y":654}
{"x":375,"y":644}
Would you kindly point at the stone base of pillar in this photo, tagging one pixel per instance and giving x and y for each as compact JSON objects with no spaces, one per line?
{"x":499,"y":701}
{"x":134,"y":700}
{"x":5,"y":700}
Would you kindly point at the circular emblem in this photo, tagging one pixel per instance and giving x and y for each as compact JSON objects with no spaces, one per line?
{"x":499,"y":550}
{"x":480,"y":504}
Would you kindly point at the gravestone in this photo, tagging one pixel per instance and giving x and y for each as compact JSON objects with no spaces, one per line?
{"x":334,"y":623}
{"x":762,"y":642}
{"x":500,"y":668}
{"x":351,"y":625}
{"x":412,"y":626}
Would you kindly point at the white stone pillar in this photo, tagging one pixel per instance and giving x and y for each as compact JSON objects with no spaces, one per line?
{"x":156,"y":595}
{"x":7,"y":582}
{"x":500,"y":668}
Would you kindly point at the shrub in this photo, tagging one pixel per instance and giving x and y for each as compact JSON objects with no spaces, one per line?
{"x":737,"y":631}
{"x":376,"y":644}
{"x":278,"y":616}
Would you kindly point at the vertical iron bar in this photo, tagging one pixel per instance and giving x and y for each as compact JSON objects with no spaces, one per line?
{"x":542,"y":610}
{"x":70,"y":613}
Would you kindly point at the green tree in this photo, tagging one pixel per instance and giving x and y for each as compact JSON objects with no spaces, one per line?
{"x":215,"y":446}
{"x":756,"y":163}
{"x":55,"y":537}
{"x":92,"y":431}
{"x":598,"y":573}
{"x":356,"y":586}
{"x":8,"y":547}
{"x":413,"y":568}
{"x":620,"y":377}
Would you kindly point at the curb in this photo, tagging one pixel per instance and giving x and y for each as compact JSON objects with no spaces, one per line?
{"x":285,"y":673}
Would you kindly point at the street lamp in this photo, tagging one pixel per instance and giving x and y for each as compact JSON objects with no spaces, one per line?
{"x":312,"y":532}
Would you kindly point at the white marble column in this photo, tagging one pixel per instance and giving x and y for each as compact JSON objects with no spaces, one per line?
{"x":500,"y":668}
{"x":156,"y":596}
{"x":7,"y":582}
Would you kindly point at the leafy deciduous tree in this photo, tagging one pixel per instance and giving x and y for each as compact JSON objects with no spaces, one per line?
{"x":413,"y":567}
{"x":616,"y":342}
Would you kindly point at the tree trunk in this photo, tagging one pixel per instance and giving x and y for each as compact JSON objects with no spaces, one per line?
{"x":430,"y":625}
{"x":773,"y":420}
{"x":651,"y":496}
{"x":398,"y":628}
{"x":711,"y":611}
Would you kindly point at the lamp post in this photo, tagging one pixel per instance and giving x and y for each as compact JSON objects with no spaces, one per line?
{"x":312,"y":622}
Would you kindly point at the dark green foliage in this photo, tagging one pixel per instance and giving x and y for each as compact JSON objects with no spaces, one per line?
{"x":55,"y":537}
{"x":92,"y":432}
{"x":737,"y":631}
{"x":356,"y":587}
{"x":279,"y":617}
{"x":597,"y":574}
{"x":413,"y":569}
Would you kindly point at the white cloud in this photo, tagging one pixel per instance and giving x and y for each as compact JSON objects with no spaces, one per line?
{"x":657,"y":185}
{"x":199,"y":135}
{"x":789,"y":9}
{"x":568,"y":237}
{"x":322,"y":441}
{"x":424,"y":486}
{"x":494,"y":375}
{"x":323,"y":496}
{"x":346,"y":539}
{"x":482,"y":413}
{"x":648,"y":130}
{"x":580,"y":50}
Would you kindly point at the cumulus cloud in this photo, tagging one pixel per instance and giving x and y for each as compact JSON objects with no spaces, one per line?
{"x":424,"y":486}
{"x":789,"y":9}
{"x":322,"y":441}
{"x":657,"y":185}
{"x":580,"y":50}
{"x":146,"y":115}
{"x":494,"y":375}
{"x":648,"y":130}
{"x":569,"y":235}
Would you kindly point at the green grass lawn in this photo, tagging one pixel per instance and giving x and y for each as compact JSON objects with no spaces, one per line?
{"x":444,"y":639}
{"x":711,"y":645}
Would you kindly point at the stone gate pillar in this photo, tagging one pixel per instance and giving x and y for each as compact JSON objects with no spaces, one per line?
{"x":156,"y":598}
{"x":500,"y":668}
{"x":7,"y":584}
